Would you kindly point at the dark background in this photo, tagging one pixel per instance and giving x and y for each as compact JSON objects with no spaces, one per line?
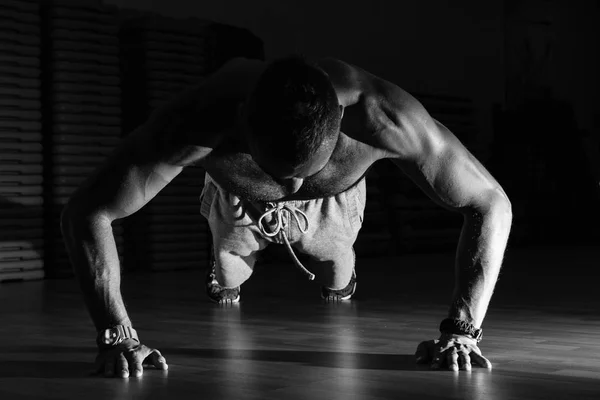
{"x":516,"y":81}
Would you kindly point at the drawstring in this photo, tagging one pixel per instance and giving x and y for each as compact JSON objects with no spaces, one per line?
{"x":278,"y":210}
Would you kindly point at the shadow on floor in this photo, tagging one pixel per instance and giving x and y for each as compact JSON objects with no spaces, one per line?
{"x":45,"y":369}
{"x":79,"y":369}
{"x":392,"y":362}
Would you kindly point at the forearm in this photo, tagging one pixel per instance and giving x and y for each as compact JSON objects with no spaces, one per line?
{"x":478,"y":260}
{"x":93,"y":253}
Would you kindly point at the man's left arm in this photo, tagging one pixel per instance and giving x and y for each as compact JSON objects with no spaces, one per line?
{"x":451,"y":176}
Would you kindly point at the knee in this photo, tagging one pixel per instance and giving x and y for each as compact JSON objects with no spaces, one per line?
{"x":233,"y":270}
{"x":333,"y":276}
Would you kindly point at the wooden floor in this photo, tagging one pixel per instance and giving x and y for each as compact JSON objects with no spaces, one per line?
{"x":542,"y":334}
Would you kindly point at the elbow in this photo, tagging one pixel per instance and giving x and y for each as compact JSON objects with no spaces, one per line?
{"x":503,"y":203}
{"x":75,"y":213}
{"x":501,"y":207}
{"x":493,"y":204}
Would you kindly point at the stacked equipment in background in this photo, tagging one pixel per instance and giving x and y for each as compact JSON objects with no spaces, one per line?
{"x":161,"y":57}
{"x":21,"y":171}
{"x":82,"y":104}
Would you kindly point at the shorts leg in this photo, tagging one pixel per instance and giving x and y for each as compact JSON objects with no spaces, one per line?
{"x":236,"y":239}
{"x":334,"y":270}
{"x":334,"y":226}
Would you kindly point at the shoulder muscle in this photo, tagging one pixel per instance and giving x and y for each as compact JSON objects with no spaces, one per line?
{"x":431,"y":155}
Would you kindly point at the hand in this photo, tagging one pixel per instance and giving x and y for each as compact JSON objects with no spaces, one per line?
{"x":452,"y":351}
{"x":127,"y":359}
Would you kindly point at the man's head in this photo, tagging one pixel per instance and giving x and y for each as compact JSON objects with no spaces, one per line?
{"x":293,"y":118}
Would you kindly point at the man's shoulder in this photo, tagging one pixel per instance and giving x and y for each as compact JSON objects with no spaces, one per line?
{"x":345,"y":77}
{"x":235,"y":78}
{"x":394,"y":120}
{"x":352,"y":79}
{"x":206,"y":111}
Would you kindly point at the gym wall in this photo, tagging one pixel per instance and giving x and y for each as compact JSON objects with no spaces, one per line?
{"x":75,"y":76}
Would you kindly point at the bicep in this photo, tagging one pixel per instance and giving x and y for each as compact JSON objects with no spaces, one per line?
{"x":137,"y":170}
{"x":181,"y":132}
{"x":446,"y":171}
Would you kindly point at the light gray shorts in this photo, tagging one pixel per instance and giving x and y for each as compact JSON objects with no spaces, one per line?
{"x":323,"y":228}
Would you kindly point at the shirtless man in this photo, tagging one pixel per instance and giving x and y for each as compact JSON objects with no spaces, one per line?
{"x":286,"y":146}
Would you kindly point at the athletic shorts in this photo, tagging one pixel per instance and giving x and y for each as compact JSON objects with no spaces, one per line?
{"x":325,"y":229}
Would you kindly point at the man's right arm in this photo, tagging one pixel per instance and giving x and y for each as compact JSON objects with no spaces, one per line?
{"x":141,"y":166}
{"x":182,"y":132}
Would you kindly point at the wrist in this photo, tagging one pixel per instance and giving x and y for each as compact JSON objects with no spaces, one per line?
{"x":447,"y":337}
{"x":115,"y":335}
{"x":453,"y":326}
{"x":111,"y":320}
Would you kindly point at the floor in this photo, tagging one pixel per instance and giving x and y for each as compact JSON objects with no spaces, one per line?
{"x":542,"y":334}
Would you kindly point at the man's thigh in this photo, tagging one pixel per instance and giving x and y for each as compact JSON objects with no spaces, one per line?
{"x":236,"y":238}
{"x":335,"y":223}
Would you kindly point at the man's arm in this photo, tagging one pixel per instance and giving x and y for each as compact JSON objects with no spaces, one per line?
{"x":451,"y":176}
{"x":142,"y":165}
{"x":448,"y":173}
{"x":181,"y":132}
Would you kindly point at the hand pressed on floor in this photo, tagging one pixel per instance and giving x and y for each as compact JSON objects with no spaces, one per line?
{"x":452,"y":351}
{"x":128,"y":359}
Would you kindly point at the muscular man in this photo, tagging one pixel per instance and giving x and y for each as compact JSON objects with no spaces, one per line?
{"x":286,"y":146}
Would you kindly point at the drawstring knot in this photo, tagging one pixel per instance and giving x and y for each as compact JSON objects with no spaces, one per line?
{"x":277,"y":209}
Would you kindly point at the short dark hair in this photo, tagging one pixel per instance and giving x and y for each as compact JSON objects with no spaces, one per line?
{"x":294,"y":109}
